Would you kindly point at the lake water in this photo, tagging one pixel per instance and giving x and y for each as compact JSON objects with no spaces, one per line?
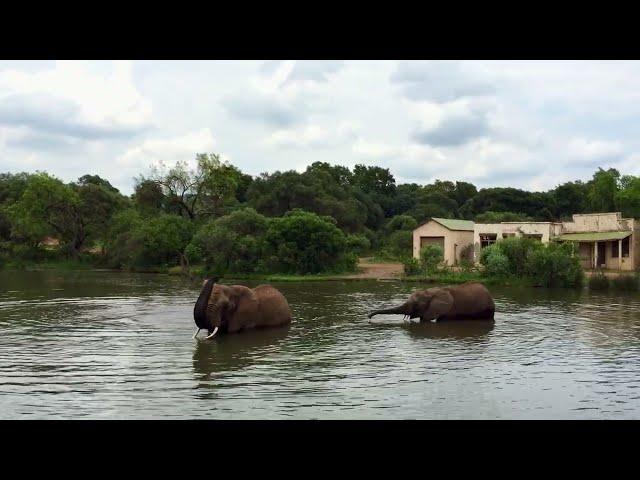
{"x":108,"y":345}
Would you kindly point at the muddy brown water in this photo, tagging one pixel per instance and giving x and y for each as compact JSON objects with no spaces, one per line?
{"x":107,"y":345}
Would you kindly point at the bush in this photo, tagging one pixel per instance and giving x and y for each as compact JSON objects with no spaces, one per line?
{"x":598,"y":281}
{"x":517,"y":250}
{"x":431,"y":256}
{"x":412,"y":266}
{"x":555,"y":266}
{"x":358,"y":244}
{"x":628,"y":283}
{"x":304,"y":242}
{"x":401,"y":244}
{"x":230,"y":244}
{"x":496,"y":263}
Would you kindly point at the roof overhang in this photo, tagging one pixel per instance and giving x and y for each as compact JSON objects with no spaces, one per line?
{"x":592,"y":236}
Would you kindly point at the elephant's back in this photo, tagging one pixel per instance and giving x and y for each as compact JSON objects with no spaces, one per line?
{"x":273,"y":305}
{"x":472,"y":299}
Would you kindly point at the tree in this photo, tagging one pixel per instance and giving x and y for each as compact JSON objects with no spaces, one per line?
{"x":497,"y":217}
{"x":627,"y":199}
{"x":602,"y":190}
{"x":570,"y":198}
{"x":303,"y":242}
{"x":232,"y":243}
{"x":148,"y":196}
{"x":199,"y":191}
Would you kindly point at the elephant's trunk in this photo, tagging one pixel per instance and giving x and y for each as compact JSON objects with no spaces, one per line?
{"x":403,"y":309}
{"x":200,"y":310}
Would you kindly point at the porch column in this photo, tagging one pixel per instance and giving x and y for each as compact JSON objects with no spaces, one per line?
{"x":620,"y":254}
{"x":595,"y":255}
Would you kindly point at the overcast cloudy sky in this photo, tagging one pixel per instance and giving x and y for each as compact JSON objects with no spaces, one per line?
{"x":529,"y":124}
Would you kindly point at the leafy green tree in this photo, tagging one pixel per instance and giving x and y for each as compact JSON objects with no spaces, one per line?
{"x":199,"y":191}
{"x":602,"y":190}
{"x":431,"y":257}
{"x":627,"y":199}
{"x":303,"y":242}
{"x":148,"y":196}
{"x":570,"y":198}
{"x":497,"y":217}
{"x":233,"y":243}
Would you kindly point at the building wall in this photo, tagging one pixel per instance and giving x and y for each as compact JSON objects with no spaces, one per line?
{"x":518,"y":229}
{"x":454,"y":240}
{"x":607,"y":222}
{"x":597,"y":222}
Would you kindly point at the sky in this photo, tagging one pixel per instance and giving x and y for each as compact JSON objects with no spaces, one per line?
{"x":523,"y":124}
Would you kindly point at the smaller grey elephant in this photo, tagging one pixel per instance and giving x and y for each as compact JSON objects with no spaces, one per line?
{"x":469,"y":301}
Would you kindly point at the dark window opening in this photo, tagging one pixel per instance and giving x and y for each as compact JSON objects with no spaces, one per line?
{"x":535,"y":236}
{"x":487,"y":239}
{"x":614,"y":249}
{"x":625,"y":247}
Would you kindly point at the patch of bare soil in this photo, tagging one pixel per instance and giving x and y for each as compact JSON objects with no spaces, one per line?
{"x":378,"y":271}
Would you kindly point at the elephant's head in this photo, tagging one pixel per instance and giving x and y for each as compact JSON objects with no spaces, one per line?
{"x":426,"y":304}
{"x":214,"y":307}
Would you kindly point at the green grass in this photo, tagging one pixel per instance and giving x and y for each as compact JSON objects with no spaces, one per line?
{"x":463,"y":277}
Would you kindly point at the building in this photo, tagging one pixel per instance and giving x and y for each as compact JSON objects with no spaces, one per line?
{"x":604,"y":240}
{"x":484,"y":234}
{"x":455,"y":237}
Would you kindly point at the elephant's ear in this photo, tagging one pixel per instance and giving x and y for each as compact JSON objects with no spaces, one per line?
{"x":440,"y":304}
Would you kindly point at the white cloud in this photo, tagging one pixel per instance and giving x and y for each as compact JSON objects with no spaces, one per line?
{"x":168,"y":150}
{"x":72,"y":100}
{"x":313,"y":136}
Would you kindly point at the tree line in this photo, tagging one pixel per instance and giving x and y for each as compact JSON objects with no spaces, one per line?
{"x":314,"y":221}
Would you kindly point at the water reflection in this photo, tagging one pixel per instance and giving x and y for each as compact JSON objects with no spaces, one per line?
{"x":233,"y":352}
{"x":118,"y":345}
{"x":459,"y":329}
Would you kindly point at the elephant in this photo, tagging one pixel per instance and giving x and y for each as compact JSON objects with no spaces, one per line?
{"x":234,"y":308}
{"x":469,"y":301}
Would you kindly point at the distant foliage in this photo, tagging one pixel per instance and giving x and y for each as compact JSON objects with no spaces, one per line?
{"x":551,"y":265}
{"x":431,"y":257}
{"x":599,"y":281}
{"x":626,"y":282}
{"x":303,"y":242}
{"x":496,"y":263}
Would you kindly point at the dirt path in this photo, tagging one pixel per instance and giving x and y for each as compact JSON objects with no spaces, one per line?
{"x":380,"y":271}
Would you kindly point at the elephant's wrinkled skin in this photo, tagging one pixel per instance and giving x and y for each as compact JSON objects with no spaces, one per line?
{"x":469,"y":301}
{"x":233,"y":308}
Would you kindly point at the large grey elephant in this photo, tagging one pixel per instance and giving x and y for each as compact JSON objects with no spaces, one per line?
{"x":233,"y":308}
{"x":469,"y":301}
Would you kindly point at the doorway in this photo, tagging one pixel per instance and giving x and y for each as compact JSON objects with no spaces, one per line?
{"x":602,"y":249}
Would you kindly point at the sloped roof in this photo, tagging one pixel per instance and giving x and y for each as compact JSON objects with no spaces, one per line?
{"x":455,"y":224}
{"x":593,"y":236}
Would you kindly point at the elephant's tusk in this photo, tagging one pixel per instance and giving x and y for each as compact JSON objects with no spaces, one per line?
{"x":196,"y":334}
{"x":215,"y":330}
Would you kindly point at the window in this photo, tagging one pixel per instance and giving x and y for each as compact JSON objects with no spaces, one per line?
{"x":614,"y":249}
{"x":625,"y":247}
{"x":534,"y":236}
{"x":487,"y":239}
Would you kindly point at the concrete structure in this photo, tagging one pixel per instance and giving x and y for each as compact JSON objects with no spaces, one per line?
{"x":484,"y":234}
{"x":450,"y":234}
{"x":604,"y":240}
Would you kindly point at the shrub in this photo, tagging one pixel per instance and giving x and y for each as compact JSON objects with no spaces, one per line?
{"x":598,"y":281}
{"x":358,"y":244}
{"x":412,"y":266}
{"x":628,"y":283}
{"x":496,"y":263}
{"x":517,"y":249}
{"x":401,"y":244}
{"x":232,"y":243}
{"x":304,"y":242}
{"x":431,"y":256}
{"x":555,"y":266}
